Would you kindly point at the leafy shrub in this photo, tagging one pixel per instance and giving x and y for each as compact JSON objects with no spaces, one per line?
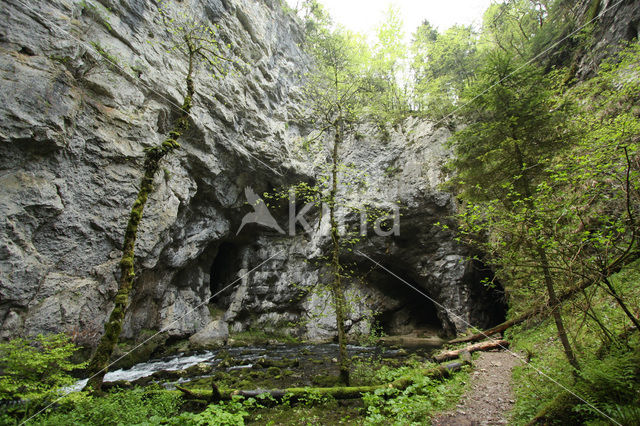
{"x":35,"y":369}
{"x":132,"y":407}
{"x":414,"y":404}
{"x":225,"y":413}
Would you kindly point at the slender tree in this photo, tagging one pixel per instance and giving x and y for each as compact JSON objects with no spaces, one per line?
{"x":500,"y":158}
{"x":198,"y":44}
{"x":333,"y":90}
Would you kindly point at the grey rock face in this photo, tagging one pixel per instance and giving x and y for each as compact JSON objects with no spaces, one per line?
{"x":615,"y":22}
{"x":83,"y":93}
{"x":424,"y":279}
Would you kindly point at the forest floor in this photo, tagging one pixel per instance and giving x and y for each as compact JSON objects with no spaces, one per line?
{"x":489,"y":397}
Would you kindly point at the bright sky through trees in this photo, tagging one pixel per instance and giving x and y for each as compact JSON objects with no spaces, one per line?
{"x":363,"y":15}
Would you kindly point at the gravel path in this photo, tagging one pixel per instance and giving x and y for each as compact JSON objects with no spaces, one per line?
{"x":489,"y":397}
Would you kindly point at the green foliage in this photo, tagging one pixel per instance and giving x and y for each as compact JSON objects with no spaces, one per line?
{"x":286,"y":8}
{"x":549,"y":179}
{"x":199,"y":42}
{"x":111,"y":60}
{"x":582,"y":176}
{"x":443,"y":65}
{"x":225,"y":413}
{"x":376,"y":332}
{"x":609,"y":379}
{"x":316,"y":20}
{"x":511,"y":25}
{"x":34,"y":369}
{"x":134,"y":407}
{"x":424,"y":398}
{"x":383,"y":85}
{"x":333,"y":88}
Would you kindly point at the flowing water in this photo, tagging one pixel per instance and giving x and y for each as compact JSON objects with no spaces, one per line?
{"x":244,"y":358}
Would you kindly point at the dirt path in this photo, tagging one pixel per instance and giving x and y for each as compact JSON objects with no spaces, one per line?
{"x":489,"y":397}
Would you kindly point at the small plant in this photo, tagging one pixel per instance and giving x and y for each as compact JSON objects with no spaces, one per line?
{"x":35,"y":369}
{"x":167,"y":174}
{"x":112,"y":61}
{"x":391,"y":170}
{"x":414,"y":404}
{"x":98,"y":12}
{"x":225,"y":413}
{"x":151,"y":406}
{"x":139,"y":68}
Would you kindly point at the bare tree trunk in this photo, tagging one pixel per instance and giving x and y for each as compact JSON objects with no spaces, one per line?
{"x":544,"y":266}
{"x":555,"y":310}
{"x":621,"y":303}
{"x":336,"y":286}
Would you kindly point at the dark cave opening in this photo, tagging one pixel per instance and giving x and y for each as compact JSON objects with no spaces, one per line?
{"x":407,"y":310}
{"x":415,"y":314}
{"x":490,"y":308}
{"x":223,"y":272}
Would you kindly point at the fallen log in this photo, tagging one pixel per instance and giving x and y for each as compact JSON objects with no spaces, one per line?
{"x":483,"y":346}
{"x":413,"y":341}
{"x":522,"y":318}
{"x":339,"y":392}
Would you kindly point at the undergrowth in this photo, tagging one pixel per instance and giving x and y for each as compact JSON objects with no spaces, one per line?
{"x":414,"y":405}
{"x":606,"y":390}
{"x":154,"y":405}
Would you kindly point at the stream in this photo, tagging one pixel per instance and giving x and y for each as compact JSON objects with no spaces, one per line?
{"x":305,"y":359}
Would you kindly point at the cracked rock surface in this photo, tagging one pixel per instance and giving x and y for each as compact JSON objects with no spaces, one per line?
{"x":83,"y":93}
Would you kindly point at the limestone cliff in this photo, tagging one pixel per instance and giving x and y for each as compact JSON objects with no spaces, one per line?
{"x":85,"y":87}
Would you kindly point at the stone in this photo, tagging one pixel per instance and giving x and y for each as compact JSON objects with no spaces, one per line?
{"x":215,"y":333}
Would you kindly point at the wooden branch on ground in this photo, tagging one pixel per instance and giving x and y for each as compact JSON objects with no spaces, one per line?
{"x":521,"y":318}
{"x":339,"y":392}
{"x":615,"y":267}
{"x":483,"y":346}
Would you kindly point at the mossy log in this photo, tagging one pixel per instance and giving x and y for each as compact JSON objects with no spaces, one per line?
{"x":483,"y":346}
{"x":338,"y":392}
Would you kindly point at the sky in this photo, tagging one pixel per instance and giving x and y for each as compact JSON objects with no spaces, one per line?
{"x":364,"y":15}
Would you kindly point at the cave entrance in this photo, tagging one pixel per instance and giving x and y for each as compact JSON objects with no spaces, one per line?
{"x":409,"y":311}
{"x":224,"y":270}
{"x":415,"y":315}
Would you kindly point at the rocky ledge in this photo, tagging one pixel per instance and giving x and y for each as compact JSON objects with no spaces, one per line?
{"x":85,"y":87}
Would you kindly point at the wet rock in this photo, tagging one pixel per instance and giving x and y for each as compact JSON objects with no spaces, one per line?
{"x":199,"y":369}
{"x":280,"y":363}
{"x":213,"y":334}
